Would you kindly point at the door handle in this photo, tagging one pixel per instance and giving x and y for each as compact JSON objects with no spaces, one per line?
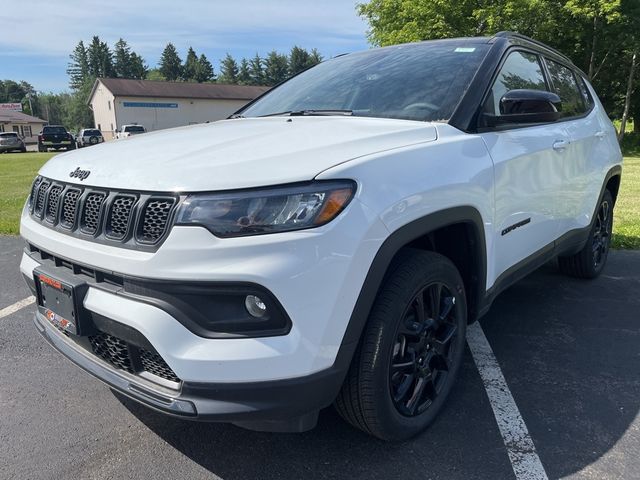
{"x":560,"y":145}
{"x":601,"y":134}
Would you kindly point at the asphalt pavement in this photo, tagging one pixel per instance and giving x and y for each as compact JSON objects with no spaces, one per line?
{"x":569,"y":351}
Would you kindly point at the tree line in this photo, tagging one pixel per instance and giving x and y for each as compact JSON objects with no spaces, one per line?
{"x":600,"y":36}
{"x":271,"y":70}
{"x":96,"y":59}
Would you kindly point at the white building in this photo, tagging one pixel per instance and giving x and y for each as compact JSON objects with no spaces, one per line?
{"x":156,"y":105}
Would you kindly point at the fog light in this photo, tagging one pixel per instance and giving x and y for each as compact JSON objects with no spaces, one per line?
{"x":255,"y":306}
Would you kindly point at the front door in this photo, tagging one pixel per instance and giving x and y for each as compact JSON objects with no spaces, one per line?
{"x":527,"y":162}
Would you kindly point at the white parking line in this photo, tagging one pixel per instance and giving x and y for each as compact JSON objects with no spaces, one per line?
{"x":17,"y":306}
{"x":522,"y":452}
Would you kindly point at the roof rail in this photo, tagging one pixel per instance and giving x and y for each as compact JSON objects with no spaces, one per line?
{"x":508,"y":34}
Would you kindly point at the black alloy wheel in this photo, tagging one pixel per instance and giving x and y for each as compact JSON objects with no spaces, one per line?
{"x":410,"y":350}
{"x":424,"y":349}
{"x":602,"y":234}
{"x":590,"y":261}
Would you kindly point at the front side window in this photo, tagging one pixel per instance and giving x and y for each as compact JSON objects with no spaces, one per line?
{"x":521,"y":70}
{"x":566,"y":86}
{"x":421,"y":81}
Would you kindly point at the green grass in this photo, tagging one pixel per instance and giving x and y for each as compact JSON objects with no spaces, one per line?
{"x":626,"y":218}
{"x":17,"y":171}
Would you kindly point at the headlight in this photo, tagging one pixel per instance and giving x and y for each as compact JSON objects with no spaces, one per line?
{"x":267,"y":210}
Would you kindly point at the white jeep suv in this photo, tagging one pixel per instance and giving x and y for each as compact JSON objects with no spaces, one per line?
{"x":330,"y":242}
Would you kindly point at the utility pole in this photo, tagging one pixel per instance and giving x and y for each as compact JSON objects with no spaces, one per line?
{"x":30,"y":105}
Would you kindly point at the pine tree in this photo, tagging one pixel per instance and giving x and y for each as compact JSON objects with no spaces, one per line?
{"x":314,"y":57}
{"x":228,"y":70}
{"x":244,"y":73}
{"x":276,"y":68}
{"x":190,"y":69}
{"x":100,"y":59}
{"x":204,"y":70}
{"x":298,"y":60}
{"x":139,"y":69}
{"x":170,"y":65}
{"x":122,"y":59}
{"x":78,"y":67}
{"x":256,"y":70}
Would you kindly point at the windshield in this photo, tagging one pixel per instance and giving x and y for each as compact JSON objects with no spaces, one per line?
{"x":134,"y":129}
{"x":420,"y":81}
{"x":91,"y":132}
{"x":9,"y":135}
{"x":54,"y":130}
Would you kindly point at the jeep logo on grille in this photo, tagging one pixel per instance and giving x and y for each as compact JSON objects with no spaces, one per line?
{"x":81,"y":174}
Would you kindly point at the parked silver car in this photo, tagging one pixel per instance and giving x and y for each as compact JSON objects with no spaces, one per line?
{"x":10,"y":142}
{"x":89,"y":136}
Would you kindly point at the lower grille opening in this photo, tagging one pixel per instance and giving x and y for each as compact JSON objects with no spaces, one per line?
{"x":112,"y":350}
{"x":130,"y":358}
{"x":153,"y":363}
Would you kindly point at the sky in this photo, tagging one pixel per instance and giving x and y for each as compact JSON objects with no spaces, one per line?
{"x":35,"y":47}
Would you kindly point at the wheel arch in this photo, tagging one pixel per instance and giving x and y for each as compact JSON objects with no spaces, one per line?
{"x":423,"y":233}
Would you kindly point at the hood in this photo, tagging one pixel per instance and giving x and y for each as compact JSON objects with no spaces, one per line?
{"x":230,"y":154}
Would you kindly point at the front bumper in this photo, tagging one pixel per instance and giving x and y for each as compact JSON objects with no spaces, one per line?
{"x":283,"y":405}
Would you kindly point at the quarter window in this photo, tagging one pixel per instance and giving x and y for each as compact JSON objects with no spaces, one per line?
{"x":521,"y":70}
{"x":586,"y":94}
{"x":566,"y":86}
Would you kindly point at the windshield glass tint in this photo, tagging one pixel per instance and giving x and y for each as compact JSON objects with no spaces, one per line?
{"x":9,"y":135}
{"x":422,"y":81}
{"x":133,"y":129}
{"x":92,"y":132}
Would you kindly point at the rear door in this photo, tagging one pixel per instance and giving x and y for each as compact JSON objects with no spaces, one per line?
{"x":587,"y":155}
{"x":527,"y":159}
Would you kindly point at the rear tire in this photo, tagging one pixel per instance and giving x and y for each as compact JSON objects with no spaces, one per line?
{"x":407,"y":361}
{"x":590,"y":261}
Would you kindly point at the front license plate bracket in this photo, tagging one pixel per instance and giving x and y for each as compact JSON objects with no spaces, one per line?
{"x":60,"y":300}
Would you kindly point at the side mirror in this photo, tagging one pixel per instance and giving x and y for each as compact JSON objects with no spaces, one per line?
{"x":526,"y":106}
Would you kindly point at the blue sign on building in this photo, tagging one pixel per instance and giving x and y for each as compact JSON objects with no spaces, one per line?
{"x":149,"y":105}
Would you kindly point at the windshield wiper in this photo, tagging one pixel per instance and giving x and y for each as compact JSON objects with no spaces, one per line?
{"x":309,"y":113}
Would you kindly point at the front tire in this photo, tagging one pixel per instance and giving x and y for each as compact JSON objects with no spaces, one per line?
{"x":589,"y":262}
{"x":410,"y":351}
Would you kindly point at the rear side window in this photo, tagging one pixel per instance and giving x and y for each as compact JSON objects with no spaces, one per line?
{"x":134,"y":128}
{"x":566,"y":86}
{"x":54,"y":130}
{"x":520,"y":70}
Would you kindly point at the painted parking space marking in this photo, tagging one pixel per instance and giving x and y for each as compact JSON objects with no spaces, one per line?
{"x":522,"y":452}
{"x":17,"y":306}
